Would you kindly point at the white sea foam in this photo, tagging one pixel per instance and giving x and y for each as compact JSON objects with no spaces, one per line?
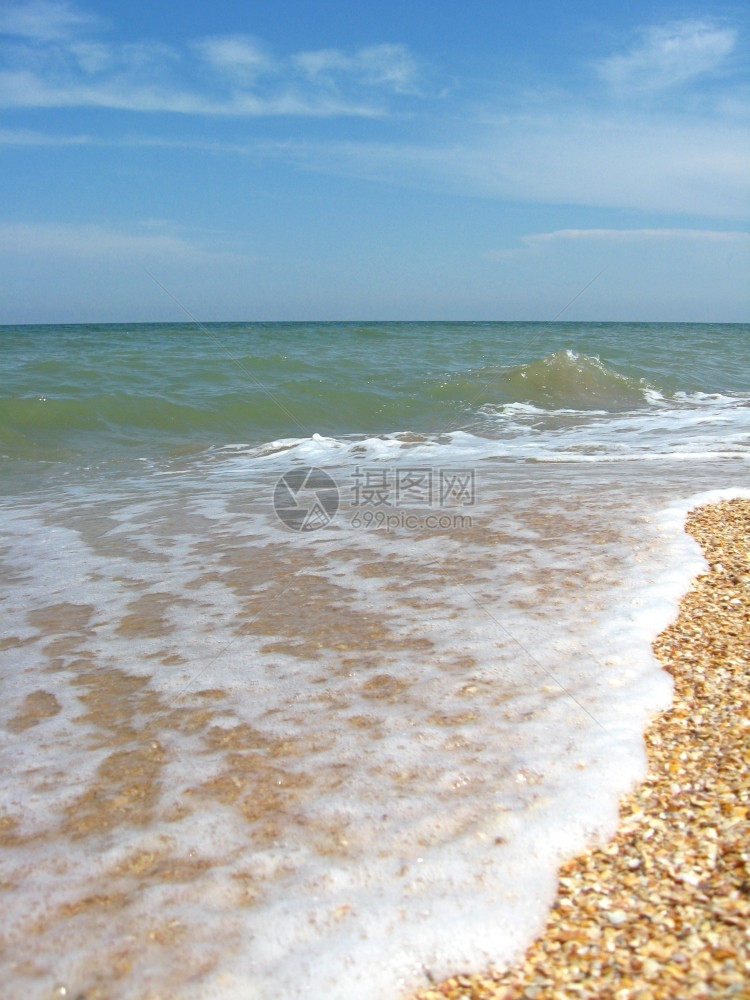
{"x":359,"y":755}
{"x":694,"y":426}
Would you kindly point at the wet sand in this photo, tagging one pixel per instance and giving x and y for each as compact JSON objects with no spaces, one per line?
{"x":663,"y":910}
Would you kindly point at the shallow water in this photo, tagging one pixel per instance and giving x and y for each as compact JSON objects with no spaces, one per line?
{"x":243,"y":758}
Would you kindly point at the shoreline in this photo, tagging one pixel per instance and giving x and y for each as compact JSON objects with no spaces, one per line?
{"x":661,"y":910}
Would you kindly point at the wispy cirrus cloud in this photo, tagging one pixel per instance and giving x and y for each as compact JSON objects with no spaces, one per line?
{"x":241,"y":58}
{"x":565,"y":148}
{"x":21,"y":137}
{"x":245,"y":59}
{"x":44,"y":20}
{"x":691,"y":167}
{"x":605,"y":248}
{"x":637,"y":235}
{"x":29,"y":90}
{"x":390,"y":66}
{"x":54,"y":59}
{"x":142,"y":243}
{"x":668,"y":55}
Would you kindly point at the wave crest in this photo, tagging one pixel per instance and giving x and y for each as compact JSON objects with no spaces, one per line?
{"x":564,"y":380}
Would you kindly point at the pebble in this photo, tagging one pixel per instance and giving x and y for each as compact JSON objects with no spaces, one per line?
{"x":677,"y":884}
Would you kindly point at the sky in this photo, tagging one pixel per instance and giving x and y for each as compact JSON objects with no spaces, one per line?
{"x":410,"y":160}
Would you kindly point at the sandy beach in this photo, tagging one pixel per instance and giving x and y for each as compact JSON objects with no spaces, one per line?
{"x":663,"y":910}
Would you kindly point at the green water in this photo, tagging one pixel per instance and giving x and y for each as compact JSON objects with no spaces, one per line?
{"x":74,"y":392}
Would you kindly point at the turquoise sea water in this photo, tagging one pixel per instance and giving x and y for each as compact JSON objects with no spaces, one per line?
{"x":322,"y":644}
{"x":80,"y":393}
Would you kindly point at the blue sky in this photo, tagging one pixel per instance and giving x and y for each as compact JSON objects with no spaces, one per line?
{"x":334,"y":160}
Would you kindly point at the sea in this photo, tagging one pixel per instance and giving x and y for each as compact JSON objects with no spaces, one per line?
{"x":322,"y":645}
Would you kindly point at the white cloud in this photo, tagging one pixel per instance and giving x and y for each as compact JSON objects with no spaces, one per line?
{"x":43,"y":20}
{"x":52,"y":67}
{"x":240,"y":57}
{"x":28,"y":137}
{"x":689,"y":167}
{"x":26,"y":89}
{"x":321,"y":63}
{"x":391,"y":66}
{"x":668,"y":55}
{"x":572,"y":152}
{"x":96,"y":243}
{"x":629,"y":239}
{"x":692,"y":167}
{"x":92,"y":57}
{"x":637,"y":235}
